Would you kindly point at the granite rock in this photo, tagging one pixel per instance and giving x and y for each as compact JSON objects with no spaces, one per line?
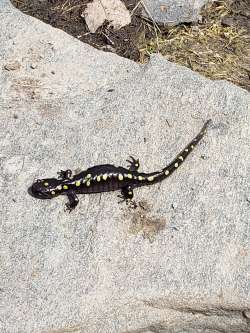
{"x":173,"y":12}
{"x":107,"y":267}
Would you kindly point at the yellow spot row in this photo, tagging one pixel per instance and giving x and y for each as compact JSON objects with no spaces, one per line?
{"x":87,"y":180}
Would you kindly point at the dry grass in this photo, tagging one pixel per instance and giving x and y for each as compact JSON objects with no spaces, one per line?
{"x":217,"y":47}
{"x":66,"y":7}
{"x":210,"y":48}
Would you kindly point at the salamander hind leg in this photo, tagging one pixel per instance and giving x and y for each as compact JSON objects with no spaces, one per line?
{"x":126,"y":194}
{"x":134,"y":164}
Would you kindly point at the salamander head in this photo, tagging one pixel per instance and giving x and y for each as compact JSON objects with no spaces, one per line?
{"x":46,"y":188}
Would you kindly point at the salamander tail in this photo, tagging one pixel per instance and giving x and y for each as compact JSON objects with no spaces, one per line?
{"x":185,"y":152}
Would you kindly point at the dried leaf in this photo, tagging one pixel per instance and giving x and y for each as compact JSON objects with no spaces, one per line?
{"x":113,"y":11}
{"x":12,"y":66}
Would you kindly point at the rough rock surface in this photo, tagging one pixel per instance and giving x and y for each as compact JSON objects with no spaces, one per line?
{"x":177,"y":263}
{"x":172,"y":12}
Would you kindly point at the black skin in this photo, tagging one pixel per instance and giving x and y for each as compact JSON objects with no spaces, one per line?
{"x":106,"y":178}
{"x":134,"y":164}
{"x":67,"y":174}
{"x":126,"y":192}
{"x":73,"y":201}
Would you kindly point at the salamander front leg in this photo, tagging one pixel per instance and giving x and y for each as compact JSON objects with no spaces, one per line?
{"x":67,"y":174}
{"x":73,"y":201}
{"x":134,"y":164}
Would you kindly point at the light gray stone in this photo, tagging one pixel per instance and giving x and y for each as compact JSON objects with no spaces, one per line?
{"x":173,"y":12}
{"x":105,"y":267}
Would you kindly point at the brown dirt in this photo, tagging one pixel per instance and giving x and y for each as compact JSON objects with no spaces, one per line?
{"x":66,"y":15}
{"x":141,"y":220}
{"x":217,"y":47}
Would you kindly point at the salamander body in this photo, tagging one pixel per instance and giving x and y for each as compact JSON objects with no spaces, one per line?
{"x":107,"y":177}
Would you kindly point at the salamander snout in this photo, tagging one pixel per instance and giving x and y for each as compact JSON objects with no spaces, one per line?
{"x":44,"y":188}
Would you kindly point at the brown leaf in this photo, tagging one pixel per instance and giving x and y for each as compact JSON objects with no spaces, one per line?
{"x":113,"y":11}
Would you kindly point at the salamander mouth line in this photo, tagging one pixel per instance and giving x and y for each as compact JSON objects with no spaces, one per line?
{"x":37,"y":195}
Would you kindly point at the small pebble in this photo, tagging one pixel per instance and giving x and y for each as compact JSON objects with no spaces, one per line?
{"x":12,"y":66}
{"x":246,"y":314}
{"x":204,"y":157}
{"x":174,"y":205}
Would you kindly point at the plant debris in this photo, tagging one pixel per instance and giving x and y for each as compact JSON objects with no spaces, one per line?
{"x":217,"y":47}
{"x":67,"y":15}
{"x":99,"y":11}
{"x":212,"y":48}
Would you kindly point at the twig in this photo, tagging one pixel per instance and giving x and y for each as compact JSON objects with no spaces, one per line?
{"x":134,"y":9}
{"x":156,"y":27}
{"x":111,"y":42}
{"x":149,"y":14}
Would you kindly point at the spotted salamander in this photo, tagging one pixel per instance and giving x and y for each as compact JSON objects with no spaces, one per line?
{"x":107,"y":177}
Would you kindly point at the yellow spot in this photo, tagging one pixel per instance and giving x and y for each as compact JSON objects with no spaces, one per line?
{"x":181,"y":158}
{"x":46,"y":184}
{"x":98,"y":178}
{"x":136,"y":165}
{"x":141,"y":178}
{"x":59,"y":187}
{"x":88,"y":183}
{"x":150,"y":178}
{"x":53,"y":192}
{"x":166,"y":172}
{"x":130,"y":193}
{"x":78,"y":183}
{"x":186,"y":150}
{"x":129,"y":176}
{"x":65,"y":187}
{"x":105,"y":176}
{"x":120,"y":176}
{"x":192,"y":147}
{"x":176,"y":165}
{"x":88,"y":175}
